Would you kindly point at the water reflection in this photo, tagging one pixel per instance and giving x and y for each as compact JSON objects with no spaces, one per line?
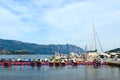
{"x":60,"y":73}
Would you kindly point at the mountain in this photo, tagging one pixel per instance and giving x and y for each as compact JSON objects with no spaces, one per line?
{"x":114,"y":50}
{"x":13,"y":46}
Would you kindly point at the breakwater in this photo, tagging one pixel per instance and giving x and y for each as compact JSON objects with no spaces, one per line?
{"x":114,"y":63}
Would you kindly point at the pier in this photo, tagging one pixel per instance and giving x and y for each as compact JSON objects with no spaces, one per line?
{"x":114,"y":63}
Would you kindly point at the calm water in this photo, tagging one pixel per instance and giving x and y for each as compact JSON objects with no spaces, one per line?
{"x":24,"y":56}
{"x":60,"y":73}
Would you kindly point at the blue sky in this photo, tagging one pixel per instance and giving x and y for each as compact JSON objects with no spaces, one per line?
{"x":61,"y":21}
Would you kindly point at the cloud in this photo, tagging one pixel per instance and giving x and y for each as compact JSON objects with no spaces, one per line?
{"x":59,"y":21}
{"x":11,"y":25}
{"x":76,"y":20}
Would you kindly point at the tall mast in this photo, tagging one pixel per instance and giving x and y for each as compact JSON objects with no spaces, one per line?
{"x":94,"y":34}
{"x":96,"y":38}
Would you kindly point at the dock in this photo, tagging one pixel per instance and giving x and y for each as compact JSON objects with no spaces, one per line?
{"x":114,"y":63}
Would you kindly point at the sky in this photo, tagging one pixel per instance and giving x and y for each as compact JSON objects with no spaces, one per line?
{"x":61,"y":22}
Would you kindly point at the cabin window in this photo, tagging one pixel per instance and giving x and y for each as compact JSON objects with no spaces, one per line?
{"x":101,"y":56}
{"x":112,"y":56}
{"x":118,"y":56}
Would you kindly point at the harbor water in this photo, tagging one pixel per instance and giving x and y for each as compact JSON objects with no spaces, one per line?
{"x":82,"y":72}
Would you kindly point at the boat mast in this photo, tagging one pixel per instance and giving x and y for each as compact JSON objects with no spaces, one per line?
{"x":96,"y":38}
{"x":94,"y":34}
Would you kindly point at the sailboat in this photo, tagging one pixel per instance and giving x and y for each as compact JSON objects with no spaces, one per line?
{"x":93,"y":54}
